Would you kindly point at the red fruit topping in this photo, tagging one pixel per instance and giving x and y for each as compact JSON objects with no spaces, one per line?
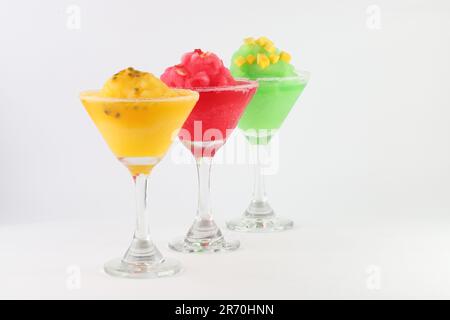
{"x":199,"y":80}
{"x":180,"y":71}
{"x":198,"y":69}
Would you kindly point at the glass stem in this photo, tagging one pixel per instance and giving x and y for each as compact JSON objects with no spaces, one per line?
{"x":259,"y":187}
{"x":142,"y":249}
{"x":204,"y":227}
{"x":204,"y":211}
{"x":259,"y":205}
{"x":143,"y":215}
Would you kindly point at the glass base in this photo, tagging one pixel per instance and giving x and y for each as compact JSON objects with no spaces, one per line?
{"x":204,"y":237}
{"x":260,"y":224}
{"x":164,"y":268}
{"x":221,"y":245}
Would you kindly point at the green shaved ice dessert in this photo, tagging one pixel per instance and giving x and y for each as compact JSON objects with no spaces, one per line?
{"x":269,"y":108}
{"x":280,"y":85}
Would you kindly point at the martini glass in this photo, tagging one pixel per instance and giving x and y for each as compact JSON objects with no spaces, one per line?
{"x":207,"y":128}
{"x":261,"y":120}
{"x":139,"y":132}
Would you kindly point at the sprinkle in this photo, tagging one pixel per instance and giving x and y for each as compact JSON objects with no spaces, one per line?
{"x":286,"y":57}
{"x":274,"y":58}
{"x":239,"y":61}
{"x":251,"y":59}
{"x":262,"y":60}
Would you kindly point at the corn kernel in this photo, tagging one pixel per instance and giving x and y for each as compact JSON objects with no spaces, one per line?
{"x":270,"y":48}
{"x":239,"y":61}
{"x":251,"y":59}
{"x":249,"y":40}
{"x":286,"y":57}
{"x":263,"y":61}
{"x":262,"y":41}
{"x":274,"y":58}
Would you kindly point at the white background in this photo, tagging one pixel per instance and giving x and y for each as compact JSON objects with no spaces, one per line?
{"x":364,"y":156}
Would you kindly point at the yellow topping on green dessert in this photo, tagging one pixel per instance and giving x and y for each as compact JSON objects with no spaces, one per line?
{"x":261,"y":58}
